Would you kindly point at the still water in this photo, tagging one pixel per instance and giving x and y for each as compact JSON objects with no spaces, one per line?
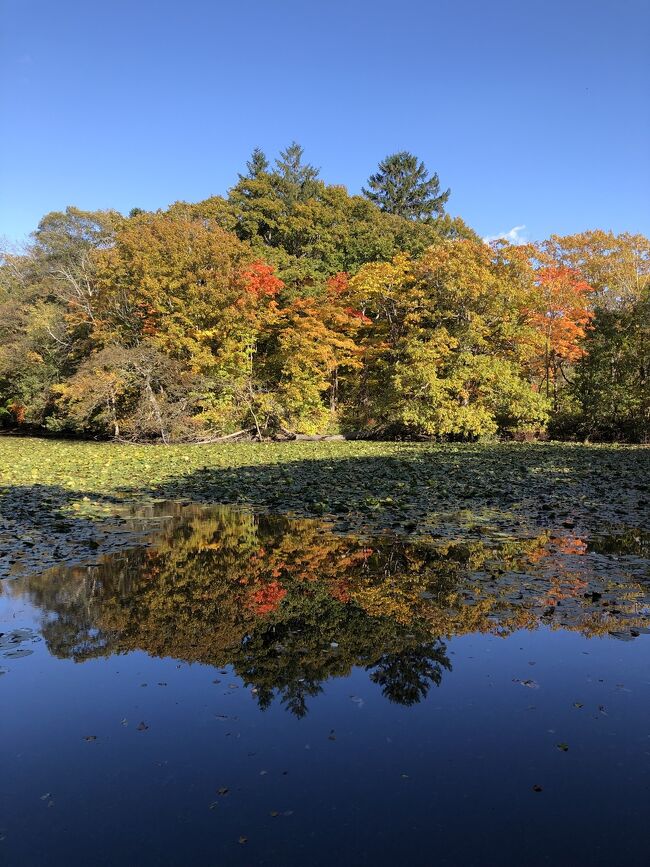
{"x":263,"y":691}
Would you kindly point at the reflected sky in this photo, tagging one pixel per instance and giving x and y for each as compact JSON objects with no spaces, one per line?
{"x":261,"y":690}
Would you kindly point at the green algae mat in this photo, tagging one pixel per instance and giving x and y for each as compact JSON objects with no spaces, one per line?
{"x":63,"y":501}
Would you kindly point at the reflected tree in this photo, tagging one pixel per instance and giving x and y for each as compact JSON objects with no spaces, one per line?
{"x":290,"y":604}
{"x":405,"y":677}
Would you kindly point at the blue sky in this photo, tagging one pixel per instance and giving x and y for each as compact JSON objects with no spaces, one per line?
{"x":535,"y":112}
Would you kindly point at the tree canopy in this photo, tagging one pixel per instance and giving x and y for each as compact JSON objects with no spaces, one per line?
{"x":291,"y":307}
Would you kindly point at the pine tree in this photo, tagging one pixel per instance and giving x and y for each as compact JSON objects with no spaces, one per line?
{"x":402,"y":186}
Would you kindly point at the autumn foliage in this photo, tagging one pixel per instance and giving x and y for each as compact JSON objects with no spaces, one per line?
{"x":259,"y":279}
{"x":291,"y":308}
{"x":560,"y":318}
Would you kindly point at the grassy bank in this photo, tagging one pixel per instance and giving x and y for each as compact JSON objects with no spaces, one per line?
{"x":68,"y":500}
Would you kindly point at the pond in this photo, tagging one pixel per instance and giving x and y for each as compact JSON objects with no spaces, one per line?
{"x":247,"y":689}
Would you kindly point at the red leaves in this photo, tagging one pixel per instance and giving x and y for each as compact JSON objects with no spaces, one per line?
{"x":266,"y":599}
{"x":340,"y":590}
{"x":357,"y":314}
{"x":259,"y":280}
{"x":337,"y":288}
{"x":338,"y":283}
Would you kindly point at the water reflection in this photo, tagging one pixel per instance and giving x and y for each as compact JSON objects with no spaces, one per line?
{"x":290,"y":604}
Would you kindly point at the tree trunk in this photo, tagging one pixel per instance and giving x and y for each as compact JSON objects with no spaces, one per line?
{"x":156,"y":410}
{"x":334,"y":391}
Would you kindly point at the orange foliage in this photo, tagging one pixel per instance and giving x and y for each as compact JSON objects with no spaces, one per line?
{"x":146,"y":314}
{"x":267,"y":598}
{"x":17,"y":410}
{"x":357,"y":314}
{"x":338,"y":284}
{"x":559,"y":315}
{"x":562,"y":314}
{"x":259,"y":279}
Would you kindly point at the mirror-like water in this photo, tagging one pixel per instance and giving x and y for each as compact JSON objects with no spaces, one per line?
{"x":260,"y":690}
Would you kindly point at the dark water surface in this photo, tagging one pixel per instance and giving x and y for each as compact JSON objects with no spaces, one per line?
{"x":259,"y":690}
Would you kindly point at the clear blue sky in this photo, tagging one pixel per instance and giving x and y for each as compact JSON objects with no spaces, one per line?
{"x":534,"y":112}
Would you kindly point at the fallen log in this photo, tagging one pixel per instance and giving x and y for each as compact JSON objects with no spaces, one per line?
{"x":223,"y":439}
{"x":319,"y":438}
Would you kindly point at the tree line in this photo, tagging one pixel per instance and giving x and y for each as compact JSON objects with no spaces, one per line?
{"x":291,"y":307}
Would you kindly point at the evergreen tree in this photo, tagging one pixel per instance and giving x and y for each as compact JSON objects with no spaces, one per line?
{"x":296,"y":181}
{"x":402,"y":186}
{"x":257,"y":165}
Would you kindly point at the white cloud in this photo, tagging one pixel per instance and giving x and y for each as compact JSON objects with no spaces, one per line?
{"x":516,"y":235}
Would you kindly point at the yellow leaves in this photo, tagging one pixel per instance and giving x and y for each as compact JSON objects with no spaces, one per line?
{"x":379,"y":279}
{"x":184,"y":272}
{"x":312,"y":333}
{"x":617,"y":266}
{"x":445,"y":328}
